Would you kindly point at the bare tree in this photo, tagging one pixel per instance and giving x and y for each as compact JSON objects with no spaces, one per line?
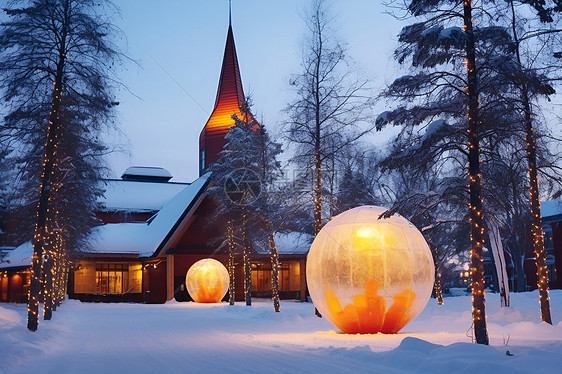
{"x":331,"y":103}
{"x":55,"y":72}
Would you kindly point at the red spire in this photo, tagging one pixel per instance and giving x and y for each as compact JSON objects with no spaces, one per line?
{"x":229,"y":101}
{"x":230,"y":85}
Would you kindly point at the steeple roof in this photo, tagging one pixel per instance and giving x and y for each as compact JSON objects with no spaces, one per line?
{"x":229,"y":101}
{"x":230,"y":90}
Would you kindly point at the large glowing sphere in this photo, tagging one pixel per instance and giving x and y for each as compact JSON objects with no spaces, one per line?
{"x":369,"y":275}
{"x":207,"y":281}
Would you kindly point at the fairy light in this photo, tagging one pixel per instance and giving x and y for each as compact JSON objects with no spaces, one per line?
{"x":317,"y":194}
{"x":438,"y":289}
{"x":475,"y":186}
{"x":231,"y":263}
{"x":246,"y":259}
{"x":57,"y":271}
{"x":317,"y":199}
{"x":54,"y":270}
{"x":536,"y":222}
{"x":36,"y":289}
{"x":274,"y":272}
{"x":51,"y":250}
{"x":437,"y":284}
{"x":43,"y":239}
{"x":56,"y":289}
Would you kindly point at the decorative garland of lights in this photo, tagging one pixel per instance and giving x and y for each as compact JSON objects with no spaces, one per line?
{"x":246,"y":260}
{"x":437,"y":284}
{"x":54,"y":250}
{"x":56,"y":272}
{"x":536,"y":223}
{"x":317,"y":195}
{"x":438,"y":288}
{"x":475,"y":185}
{"x":274,"y":272}
{"x":43,"y":223}
{"x":317,"y":205}
{"x":231,"y":263}
{"x":60,"y":272}
{"x":536,"y":218}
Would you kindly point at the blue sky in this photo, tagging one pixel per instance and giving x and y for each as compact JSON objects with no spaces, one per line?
{"x":161,"y":124}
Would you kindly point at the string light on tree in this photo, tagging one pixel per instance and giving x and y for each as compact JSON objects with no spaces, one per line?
{"x":231,"y":263}
{"x":80,"y":99}
{"x":42,"y":225}
{"x":274,"y":272}
{"x":475,"y":183}
{"x":246,"y":261}
{"x":536,"y":223}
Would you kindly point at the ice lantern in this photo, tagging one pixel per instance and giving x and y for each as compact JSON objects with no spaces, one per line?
{"x":207,"y":281}
{"x":369,"y":275}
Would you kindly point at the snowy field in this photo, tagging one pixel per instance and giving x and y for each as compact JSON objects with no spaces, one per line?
{"x":218,"y":338}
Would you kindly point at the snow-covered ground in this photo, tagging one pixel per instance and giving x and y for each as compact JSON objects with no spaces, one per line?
{"x":218,"y":338}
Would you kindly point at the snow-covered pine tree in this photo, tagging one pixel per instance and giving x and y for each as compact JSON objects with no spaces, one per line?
{"x":455,"y":79}
{"x":235,"y":156}
{"x":249,"y":147}
{"x":503,"y":144}
{"x":499,"y":77}
{"x":56,"y":74}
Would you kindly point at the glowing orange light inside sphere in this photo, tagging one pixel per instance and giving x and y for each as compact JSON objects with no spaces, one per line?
{"x":369,"y":275}
{"x":207,"y":281}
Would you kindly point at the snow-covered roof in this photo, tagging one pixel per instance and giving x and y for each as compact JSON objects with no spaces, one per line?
{"x":19,"y":256}
{"x":293,"y":242}
{"x":129,"y":238}
{"x":146,"y":237}
{"x":551,"y":208}
{"x":135,"y":196}
{"x":141,"y":238}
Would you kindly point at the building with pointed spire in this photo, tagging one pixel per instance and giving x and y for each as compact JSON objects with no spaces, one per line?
{"x":154,"y":230}
{"x":230,"y":101}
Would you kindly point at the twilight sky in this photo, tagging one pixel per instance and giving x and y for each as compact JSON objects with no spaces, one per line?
{"x":180,"y":45}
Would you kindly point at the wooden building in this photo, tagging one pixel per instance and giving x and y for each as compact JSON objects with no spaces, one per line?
{"x":146,"y":260}
{"x":153,"y":230}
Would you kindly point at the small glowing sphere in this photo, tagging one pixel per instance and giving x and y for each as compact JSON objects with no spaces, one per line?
{"x":369,"y":275}
{"x":207,"y":281}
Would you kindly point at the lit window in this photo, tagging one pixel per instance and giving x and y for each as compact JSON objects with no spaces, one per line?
{"x":112,"y":278}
